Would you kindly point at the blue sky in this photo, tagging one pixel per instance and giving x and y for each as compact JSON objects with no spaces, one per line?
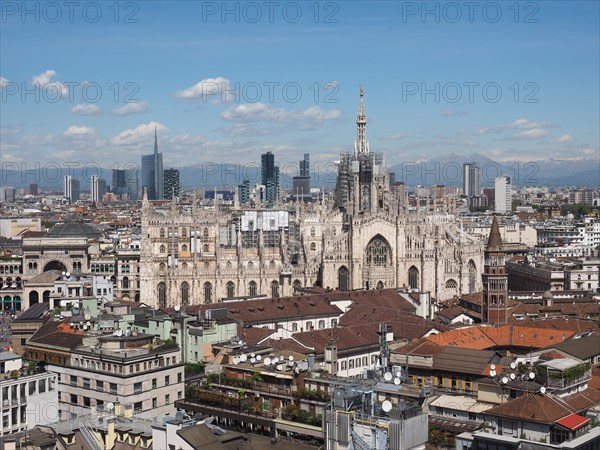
{"x":175,"y":54}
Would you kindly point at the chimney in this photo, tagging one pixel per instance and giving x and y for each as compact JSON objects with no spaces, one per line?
{"x":111,"y":436}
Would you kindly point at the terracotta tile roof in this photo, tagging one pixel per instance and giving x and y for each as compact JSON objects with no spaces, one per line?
{"x":573,"y":422}
{"x":254,"y":335}
{"x":464,"y":360}
{"x":57,"y":334}
{"x":595,"y":381}
{"x":544,"y":408}
{"x":421,"y":346}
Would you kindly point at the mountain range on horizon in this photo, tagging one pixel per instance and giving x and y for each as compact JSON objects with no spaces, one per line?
{"x":442,"y":170}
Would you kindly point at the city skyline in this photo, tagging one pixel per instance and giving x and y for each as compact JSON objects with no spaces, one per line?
{"x":202,"y":122}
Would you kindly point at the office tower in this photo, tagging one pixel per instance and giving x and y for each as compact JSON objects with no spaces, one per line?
{"x":269,"y":177}
{"x":503,"y":194}
{"x":97,"y":188}
{"x":392,"y":177}
{"x":71,"y":188}
{"x":34,"y":189}
{"x":471,"y":179}
{"x":131,"y":183}
{"x":118,"y":185}
{"x":244,"y":192}
{"x":152,"y":172}
{"x":301,"y":183}
{"x":171,"y":181}
{"x":7,"y":194}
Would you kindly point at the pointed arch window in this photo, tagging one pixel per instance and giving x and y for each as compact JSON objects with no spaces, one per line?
{"x":379,"y":252}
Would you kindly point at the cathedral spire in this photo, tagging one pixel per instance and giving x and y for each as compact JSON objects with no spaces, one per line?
{"x":361,"y":125}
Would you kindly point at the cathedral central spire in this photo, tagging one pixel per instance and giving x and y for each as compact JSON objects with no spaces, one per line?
{"x":361,"y":146}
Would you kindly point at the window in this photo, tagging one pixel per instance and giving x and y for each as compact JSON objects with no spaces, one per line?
{"x":86,"y":402}
{"x":167,"y":399}
{"x":274,"y":289}
{"x":162,"y":295}
{"x":343,"y":279}
{"x":179,"y":394}
{"x":413,"y":278}
{"x":113,"y":388}
{"x":309,"y":325}
{"x":86,"y":383}
{"x":179,"y":377}
{"x":343,"y":365}
{"x":137,"y":407}
{"x":185,"y":294}
{"x":73,"y":380}
{"x":294,"y":327}
{"x":154,"y":383}
{"x":99,"y":385}
{"x":230,"y":288}
{"x":379,"y":252}
{"x":252,"y":288}
{"x":167,"y":380}
{"x":137,"y":388}
{"x":321,"y":324}
{"x":207,"y":292}
{"x":154,"y":402}
{"x":351,"y":364}
{"x":73,"y":399}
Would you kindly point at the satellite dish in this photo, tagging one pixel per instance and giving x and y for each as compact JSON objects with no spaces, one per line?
{"x":252,"y":355}
{"x":531,"y":375}
{"x":64,"y":273}
{"x":397,"y":381}
{"x":398,"y":374}
{"x":258,"y":357}
{"x":252,"y":360}
{"x":513,"y":366}
{"x":542,"y":389}
{"x":275,"y":360}
{"x":119,"y":332}
{"x":386,"y":406}
{"x":68,"y":274}
{"x":504,"y":380}
{"x":387,"y":376}
{"x":493,"y":366}
{"x":177,"y":308}
{"x":243,"y":357}
{"x":267,"y":361}
{"x":290,"y":358}
{"x":110,"y":406}
{"x":279,"y":367}
{"x":512,"y":376}
{"x":87,"y":316}
{"x":492,"y":373}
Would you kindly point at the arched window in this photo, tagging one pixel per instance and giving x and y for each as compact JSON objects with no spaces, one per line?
{"x":205,"y":233}
{"x":228,"y":265}
{"x":313,"y":247}
{"x":125,"y":283}
{"x":184,"y":232}
{"x":380,"y":284}
{"x":184,"y":266}
{"x":207,"y":292}
{"x":185,"y":294}
{"x":161,"y":267}
{"x":451,"y":284}
{"x":274,"y":289}
{"x":184,"y":248}
{"x":162,"y":232}
{"x":206,"y":266}
{"x":312,"y":231}
{"x":294,"y":327}
{"x":297,"y":285}
{"x":413,"y":278}
{"x":162,"y":295}
{"x":162,"y":249}
{"x":472,"y":276}
{"x":272,"y":264}
{"x":34,"y":297}
{"x":205,"y":248}
{"x":230,"y":289}
{"x":250,"y":265}
{"x":379,"y":252}
{"x":252,"y":288}
{"x":343,"y":279}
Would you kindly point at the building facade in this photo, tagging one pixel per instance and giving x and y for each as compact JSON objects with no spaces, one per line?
{"x":366,"y":239}
{"x":503,"y":194}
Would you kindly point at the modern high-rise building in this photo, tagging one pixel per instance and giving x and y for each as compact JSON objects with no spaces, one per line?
{"x":152,"y":173}
{"x":7,"y":194}
{"x":172,"y":186}
{"x":301,"y":183}
{"x":131,"y":183}
{"x":34,"y":189}
{"x":97,"y":188}
{"x":71,"y":188}
{"x":503,"y":194}
{"x":269,"y":177}
{"x":471,"y":179}
{"x":118,"y":182}
{"x":244,"y":192}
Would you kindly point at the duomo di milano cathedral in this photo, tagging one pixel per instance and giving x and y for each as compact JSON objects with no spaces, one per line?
{"x":366,"y":237}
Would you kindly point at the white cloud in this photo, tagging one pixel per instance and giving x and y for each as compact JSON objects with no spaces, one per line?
{"x":79,"y":132}
{"x":302,"y":118}
{"x":3,"y":82}
{"x":142,"y":134}
{"x":564,"y":138}
{"x":51,"y":87}
{"x":524,"y":124}
{"x":87,"y":109}
{"x":448,"y":113}
{"x":131,"y":108}
{"x":209,"y":89}
{"x":533,"y":133}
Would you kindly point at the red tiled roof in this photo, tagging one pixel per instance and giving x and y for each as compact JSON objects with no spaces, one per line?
{"x":573,"y":422}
